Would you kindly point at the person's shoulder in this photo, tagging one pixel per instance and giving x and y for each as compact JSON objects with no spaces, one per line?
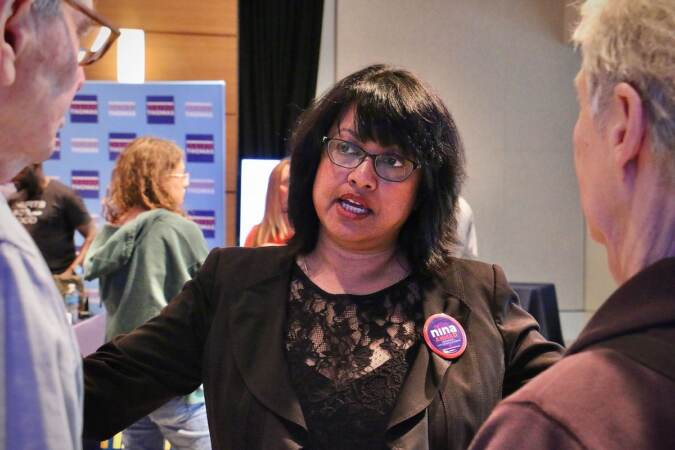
{"x":159,"y":219}
{"x":57,"y":188}
{"x":169,"y":217}
{"x":581,"y":382}
{"x":472,"y":267}
{"x":58,"y":193}
{"x":583,"y":395}
{"x":21,"y":263}
{"x":254,"y":254}
{"x":471,"y":276}
{"x":250,"y":265}
{"x":13,"y":236}
{"x":165,"y":222}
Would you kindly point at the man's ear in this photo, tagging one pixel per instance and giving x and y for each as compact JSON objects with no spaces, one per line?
{"x":14,"y":17}
{"x":627,"y":124}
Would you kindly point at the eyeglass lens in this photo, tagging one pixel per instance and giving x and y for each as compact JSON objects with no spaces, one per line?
{"x":388,"y":166}
{"x":93,"y":41}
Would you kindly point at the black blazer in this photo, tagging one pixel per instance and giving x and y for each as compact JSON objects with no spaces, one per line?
{"x":226,"y":330}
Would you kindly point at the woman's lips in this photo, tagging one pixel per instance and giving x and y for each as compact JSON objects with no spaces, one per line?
{"x":353,"y":206}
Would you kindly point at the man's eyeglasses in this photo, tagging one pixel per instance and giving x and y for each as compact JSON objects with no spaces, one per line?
{"x":388,"y":166}
{"x":97,"y":38}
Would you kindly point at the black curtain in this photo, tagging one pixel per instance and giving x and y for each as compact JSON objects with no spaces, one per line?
{"x":279,"y":42}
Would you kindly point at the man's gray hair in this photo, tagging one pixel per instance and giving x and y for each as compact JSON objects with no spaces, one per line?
{"x":46,"y":7}
{"x":632,"y":41}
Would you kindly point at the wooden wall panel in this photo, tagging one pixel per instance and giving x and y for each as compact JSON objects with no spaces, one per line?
{"x":105,"y":69}
{"x":173,"y":16}
{"x":231,"y":219}
{"x":231,"y":148}
{"x":172,"y":57}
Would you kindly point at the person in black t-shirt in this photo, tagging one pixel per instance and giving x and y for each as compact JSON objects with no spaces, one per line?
{"x":51,"y":212}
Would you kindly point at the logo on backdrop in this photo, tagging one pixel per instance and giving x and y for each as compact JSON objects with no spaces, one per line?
{"x":160,"y":109}
{"x":84,"y":109}
{"x":56,"y":153}
{"x":199,"y":147}
{"x":84,"y":145}
{"x":206,"y":220}
{"x":118,"y":142}
{"x":199,"y":110}
{"x":202,"y":186}
{"x":85,"y":183}
{"x":121,"y":108}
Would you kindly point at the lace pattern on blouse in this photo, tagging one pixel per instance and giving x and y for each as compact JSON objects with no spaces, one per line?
{"x":348,"y":357}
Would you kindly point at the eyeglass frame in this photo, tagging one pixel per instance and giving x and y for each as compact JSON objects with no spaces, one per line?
{"x":184,"y":176}
{"x":326,"y":140}
{"x":100,"y":20}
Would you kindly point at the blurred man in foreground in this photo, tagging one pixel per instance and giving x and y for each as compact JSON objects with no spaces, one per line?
{"x":43,"y":45}
{"x":614,"y":389}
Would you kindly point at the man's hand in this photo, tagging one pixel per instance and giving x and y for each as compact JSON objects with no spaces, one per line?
{"x":69,"y":272}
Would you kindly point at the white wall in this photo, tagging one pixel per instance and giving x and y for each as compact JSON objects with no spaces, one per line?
{"x":326,"y":73}
{"x":506,"y":75}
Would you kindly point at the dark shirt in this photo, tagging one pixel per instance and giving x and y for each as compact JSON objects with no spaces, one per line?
{"x":51,"y":219}
{"x":349,"y":356}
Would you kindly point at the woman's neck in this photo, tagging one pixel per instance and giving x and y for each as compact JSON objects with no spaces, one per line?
{"x":338,"y":270}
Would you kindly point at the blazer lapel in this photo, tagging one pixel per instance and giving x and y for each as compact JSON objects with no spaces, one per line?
{"x":428,"y":370}
{"x":257,"y":329}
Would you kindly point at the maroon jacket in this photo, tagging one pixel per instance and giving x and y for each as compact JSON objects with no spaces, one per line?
{"x":613,"y":390}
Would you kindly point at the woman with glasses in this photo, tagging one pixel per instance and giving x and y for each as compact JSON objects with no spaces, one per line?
{"x":142,"y":258}
{"x":362,"y":333}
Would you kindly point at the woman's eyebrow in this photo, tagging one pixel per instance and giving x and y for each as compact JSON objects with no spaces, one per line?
{"x":348,"y":130}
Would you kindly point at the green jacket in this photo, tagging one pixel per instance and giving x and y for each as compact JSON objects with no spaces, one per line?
{"x":142,"y":265}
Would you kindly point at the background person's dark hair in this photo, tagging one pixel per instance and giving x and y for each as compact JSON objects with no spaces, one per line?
{"x":29,"y":181}
{"x":393,"y":107}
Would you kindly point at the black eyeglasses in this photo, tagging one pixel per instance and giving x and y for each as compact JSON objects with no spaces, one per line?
{"x":98,"y":37}
{"x":388,"y":166}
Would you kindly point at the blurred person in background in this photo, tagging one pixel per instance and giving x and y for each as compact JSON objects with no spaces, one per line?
{"x":467,"y":242}
{"x":274,"y":228}
{"x":44,"y":43}
{"x":363,"y":332}
{"x":52,"y":212}
{"x":614,"y":388}
{"x":142,"y":258}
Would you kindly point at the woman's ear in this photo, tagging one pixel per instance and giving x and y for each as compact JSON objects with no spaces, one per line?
{"x":15,"y":26}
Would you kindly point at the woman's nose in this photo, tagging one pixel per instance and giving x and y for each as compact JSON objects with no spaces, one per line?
{"x":363,"y":176}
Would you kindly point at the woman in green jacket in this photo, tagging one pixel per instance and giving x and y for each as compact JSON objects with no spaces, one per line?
{"x":142,"y":258}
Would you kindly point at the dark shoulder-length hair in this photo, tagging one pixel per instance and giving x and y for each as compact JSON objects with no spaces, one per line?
{"x":392,"y":107}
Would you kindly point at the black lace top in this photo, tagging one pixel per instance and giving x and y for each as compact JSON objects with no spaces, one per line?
{"x":348,"y":358}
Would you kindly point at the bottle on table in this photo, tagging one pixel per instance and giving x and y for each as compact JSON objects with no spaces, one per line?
{"x":72,"y":300}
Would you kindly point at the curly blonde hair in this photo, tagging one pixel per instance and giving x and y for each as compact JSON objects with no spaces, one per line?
{"x":137,"y":177}
{"x":632,"y":41}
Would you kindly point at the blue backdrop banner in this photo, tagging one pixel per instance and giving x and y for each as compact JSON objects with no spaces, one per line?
{"x":104,"y":117}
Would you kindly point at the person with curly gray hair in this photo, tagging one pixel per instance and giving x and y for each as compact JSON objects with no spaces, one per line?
{"x":610,"y":391}
{"x":43,"y":45}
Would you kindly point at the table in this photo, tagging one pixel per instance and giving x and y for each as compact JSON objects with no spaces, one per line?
{"x":539,"y":299}
{"x":90,"y":333}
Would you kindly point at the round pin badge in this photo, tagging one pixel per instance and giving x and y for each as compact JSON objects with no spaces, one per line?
{"x":444,"y":336}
